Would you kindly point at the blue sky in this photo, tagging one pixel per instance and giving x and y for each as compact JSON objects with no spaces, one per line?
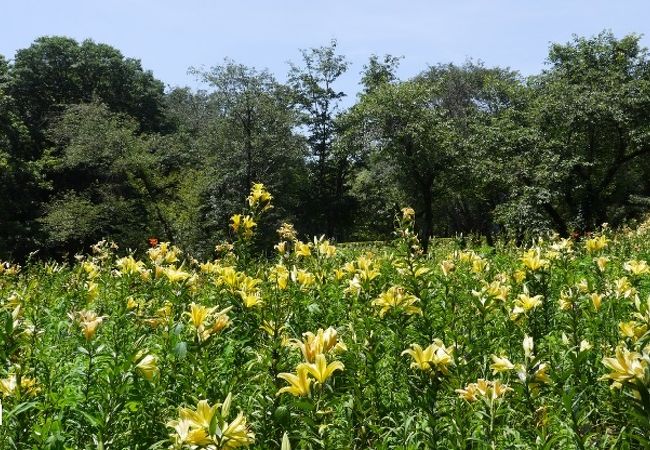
{"x":170,"y":36}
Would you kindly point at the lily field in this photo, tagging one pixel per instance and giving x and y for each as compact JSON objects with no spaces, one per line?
{"x":318,"y":346}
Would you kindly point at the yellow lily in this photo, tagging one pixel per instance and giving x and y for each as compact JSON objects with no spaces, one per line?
{"x":320,"y":370}
{"x":313,"y":344}
{"x":632,"y":329}
{"x":287,"y":232}
{"x":491,"y":390}
{"x":498,"y":290}
{"x":636,"y":267}
{"x":9,"y":385}
{"x":529,"y":346}
{"x":499,"y":389}
{"x":248,"y":224}
{"x":302,"y":249}
{"x":280,"y":274}
{"x":299,"y":383}
{"x":236,"y":434}
{"x":129,"y":266}
{"x":251,"y":298}
{"x":228,"y":276}
{"x":147,"y":366}
{"x":89,"y":322}
{"x":198,"y":314}
{"x":470,"y":393}
{"x":435,"y":356}
{"x":447,"y":267}
{"x":397,"y":298}
{"x":541,"y":376}
{"x":596,"y":244}
{"x":525,"y":303}
{"x":566,"y":300}
{"x":623,"y":288}
{"x":601,"y":262}
{"x":421,"y":357}
{"x":236,"y":222}
{"x":500,"y":365}
{"x":193,"y":425}
{"x":324,"y":247}
{"x":519,"y":276}
{"x":202,"y":415}
{"x":303,"y":278}
{"x":596,"y":300}
{"x":259,"y":196}
{"x":626,"y":366}
{"x":533,"y":260}
{"x":175,"y":275}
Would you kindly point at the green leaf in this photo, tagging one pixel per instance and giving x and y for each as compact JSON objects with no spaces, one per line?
{"x":180,"y":350}
{"x":304,"y":405}
{"x":19,"y":409}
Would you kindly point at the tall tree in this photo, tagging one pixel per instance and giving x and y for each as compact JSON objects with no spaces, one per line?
{"x":104,"y":181}
{"x":413,"y":137}
{"x":378,"y":72}
{"x":255,"y":118}
{"x":588,"y":135}
{"x":57,"y":71}
{"x":43,"y":80}
{"x":319,"y":103}
{"x":469,"y":96}
{"x":419,"y":131}
{"x":246,"y":135}
{"x":371,"y":181}
{"x":19,"y":178}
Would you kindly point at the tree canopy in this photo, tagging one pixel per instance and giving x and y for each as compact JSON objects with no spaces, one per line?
{"x":92,"y":146}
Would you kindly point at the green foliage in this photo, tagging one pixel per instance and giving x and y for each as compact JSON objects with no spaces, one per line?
{"x":588,"y":134}
{"x":112,"y":351}
{"x":318,"y":101}
{"x":104,"y":173}
{"x":477,"y":150}
{"x":73,"y":219}
{"x":240,"y":132}
{"x":421,"y":130}
{"x":37,"y":87}
{"x":57,"y":71}
{"x":19,"y":179}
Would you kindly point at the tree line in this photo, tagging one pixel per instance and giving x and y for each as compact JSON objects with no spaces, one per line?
{"x":93,"y":146}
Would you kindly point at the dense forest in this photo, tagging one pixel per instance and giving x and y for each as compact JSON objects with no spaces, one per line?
{"x":92,"y":145}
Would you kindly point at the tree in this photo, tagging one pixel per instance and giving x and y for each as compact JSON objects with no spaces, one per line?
{"x":246,"y":135}
{"x":370,"y":180}
{"x":253,"y":113}
{"x":104,"y":182}
{"x":57,"y":71}
{"x":421,"y":130}
{"x":319,"y":104}
{"x":379,"y":72}
{"x":187,"y":111}
{"x":412,"y":137}
{"x":44,"y":79}
{"x":471,"y":96}
{"x":20,"y":179}
{"x":588,"y":134}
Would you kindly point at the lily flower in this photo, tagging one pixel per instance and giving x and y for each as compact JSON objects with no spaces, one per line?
{"x":299,"y":383}
{"x":500,"y":365}
{"x":627,"y":366}
{"x":320,"y":370}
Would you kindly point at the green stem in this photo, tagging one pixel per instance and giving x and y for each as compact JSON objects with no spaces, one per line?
{"x":88,"y":373}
